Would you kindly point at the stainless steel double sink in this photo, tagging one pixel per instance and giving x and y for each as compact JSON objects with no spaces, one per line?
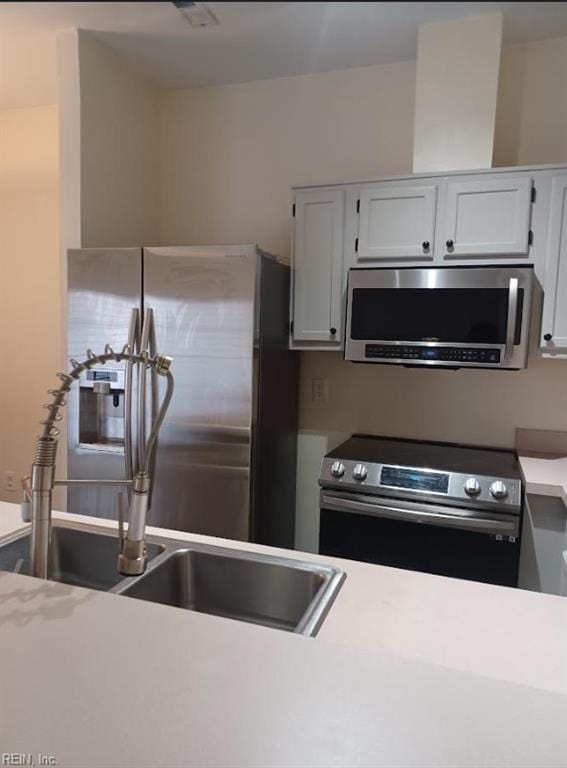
{"x":278,"y":592}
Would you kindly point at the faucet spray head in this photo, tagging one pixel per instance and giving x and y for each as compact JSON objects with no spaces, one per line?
{"x":162,"y":364}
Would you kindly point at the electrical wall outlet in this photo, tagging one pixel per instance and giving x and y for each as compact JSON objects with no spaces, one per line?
{"x":10,"y":483}
{"x":320,"y":391}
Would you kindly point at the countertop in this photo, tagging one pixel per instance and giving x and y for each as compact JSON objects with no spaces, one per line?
{"x":545,"y":475}
{"x":543,"y":460}
{"x":407,"y":670}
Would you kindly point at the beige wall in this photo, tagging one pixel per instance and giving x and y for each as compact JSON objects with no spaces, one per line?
{"x":478,"y":407}
{"x":531,"y":114}
{"x":119,"y":149}
{"x":229,"y":155}
{"x":29,"y":280}
{"x":228,"y":158}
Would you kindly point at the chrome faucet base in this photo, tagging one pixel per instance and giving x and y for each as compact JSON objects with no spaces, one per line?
{"x":132,"y":560}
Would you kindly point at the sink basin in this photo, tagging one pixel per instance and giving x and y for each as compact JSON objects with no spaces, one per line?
{"x":81,"y":558}
{"x":276,"y":592}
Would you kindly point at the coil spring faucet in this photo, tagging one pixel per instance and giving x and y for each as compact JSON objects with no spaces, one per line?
{"x":131,"y":558}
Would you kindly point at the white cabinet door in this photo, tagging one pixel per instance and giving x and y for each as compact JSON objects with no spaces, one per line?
{"x":396,"y":222}
{"x":318,"y":258}
{"x":554,"y":321}
{"x":487,"y":218}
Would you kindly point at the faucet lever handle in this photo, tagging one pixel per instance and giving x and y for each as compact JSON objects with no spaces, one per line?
{"x":25,"y":509}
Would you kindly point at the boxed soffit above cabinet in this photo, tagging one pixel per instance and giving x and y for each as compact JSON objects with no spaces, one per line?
{"x":458,"y":64}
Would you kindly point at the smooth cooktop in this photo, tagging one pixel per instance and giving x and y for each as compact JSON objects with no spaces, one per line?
{"x":448,"y":457}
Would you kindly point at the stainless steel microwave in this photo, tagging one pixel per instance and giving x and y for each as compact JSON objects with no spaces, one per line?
{"x":451,"y":317}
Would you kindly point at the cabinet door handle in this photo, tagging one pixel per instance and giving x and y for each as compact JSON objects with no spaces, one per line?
{"x":449,"y":243}
{"x":425,"y":245}
{"x":333,"y":331}
{"x":548,"y":336}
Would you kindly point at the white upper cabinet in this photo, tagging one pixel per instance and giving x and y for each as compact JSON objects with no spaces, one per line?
{"x":554,"y":321}
{"x":470,"y":219}
{"x":487,"y":217}
{"x":318,"y":260}
{"x":396,"y":223}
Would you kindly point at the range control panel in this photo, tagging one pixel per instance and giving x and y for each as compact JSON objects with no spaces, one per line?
{"x":483,"y":355}
{"x":416,"y":482}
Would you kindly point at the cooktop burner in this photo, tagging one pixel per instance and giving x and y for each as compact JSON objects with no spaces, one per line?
{"x":449,"y":457}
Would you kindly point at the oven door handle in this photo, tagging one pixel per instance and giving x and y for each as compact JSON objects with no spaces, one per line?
{"x":433,"y":514}
{"x":512,"y":317}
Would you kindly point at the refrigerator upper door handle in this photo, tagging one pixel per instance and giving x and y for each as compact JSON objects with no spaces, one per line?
{"x":154,"y":388}
{"x":153,"y":374}
{"x":133,"y":339}
{"x":148,"y":345}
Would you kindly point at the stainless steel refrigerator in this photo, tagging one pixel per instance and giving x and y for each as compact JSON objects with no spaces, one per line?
{"x":226,"y":458}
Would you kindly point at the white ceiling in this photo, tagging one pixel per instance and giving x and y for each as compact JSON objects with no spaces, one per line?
{"x":253,"y":40}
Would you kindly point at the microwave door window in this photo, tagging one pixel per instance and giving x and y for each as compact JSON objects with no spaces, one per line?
{"x":450,"y":315}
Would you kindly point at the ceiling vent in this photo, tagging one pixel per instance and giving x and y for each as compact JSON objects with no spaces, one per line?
{"x":197,"y":14}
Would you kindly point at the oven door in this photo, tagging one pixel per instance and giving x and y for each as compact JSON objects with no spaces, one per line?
{"x":452,"y":316}
{"x":448,"y":541}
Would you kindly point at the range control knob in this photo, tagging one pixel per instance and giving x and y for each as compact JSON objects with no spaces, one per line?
{"x":472,"y":486}
{"x":337,"y":469}
{"x":360,"y":472}
{"x":498,"y":489}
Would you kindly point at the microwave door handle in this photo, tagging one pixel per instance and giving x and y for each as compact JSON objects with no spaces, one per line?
{"x":512,"y":316}
{"x":413,"y":512}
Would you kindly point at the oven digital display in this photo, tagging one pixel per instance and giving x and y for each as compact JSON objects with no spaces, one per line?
{"x":398,"y":477}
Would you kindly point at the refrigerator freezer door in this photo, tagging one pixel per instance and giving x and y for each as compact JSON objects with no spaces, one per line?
{"x":203,"y":301}
{"x":104,"y":285}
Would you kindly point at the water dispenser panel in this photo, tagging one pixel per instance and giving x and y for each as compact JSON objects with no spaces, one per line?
{"x":101,"y":410}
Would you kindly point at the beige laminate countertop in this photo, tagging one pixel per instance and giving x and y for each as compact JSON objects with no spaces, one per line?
{"x":407,"y":670}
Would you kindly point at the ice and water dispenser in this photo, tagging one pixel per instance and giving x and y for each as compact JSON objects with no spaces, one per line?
{"x":101,"y":409}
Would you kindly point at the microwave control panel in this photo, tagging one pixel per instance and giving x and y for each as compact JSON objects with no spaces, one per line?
{"x":486,"y":355}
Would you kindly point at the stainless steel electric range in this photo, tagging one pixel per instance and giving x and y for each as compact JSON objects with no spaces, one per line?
{"x":433,"y":507}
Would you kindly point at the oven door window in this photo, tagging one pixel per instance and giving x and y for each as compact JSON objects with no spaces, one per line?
{"x":449,"y":315}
